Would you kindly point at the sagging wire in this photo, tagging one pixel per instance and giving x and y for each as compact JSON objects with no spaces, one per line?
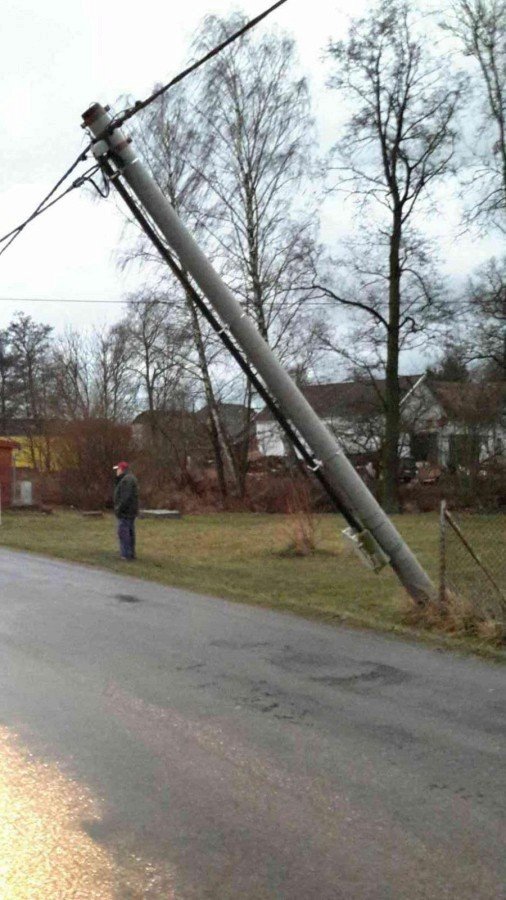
{"x":47,"y":202}
{"x":38,"y":209}
{"x":105,"y":190}
{"x":120,"y":119}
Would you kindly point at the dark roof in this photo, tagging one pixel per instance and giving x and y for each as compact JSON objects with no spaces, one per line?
{"x":346,"y":398}
{"x":469,"y":401}
{"x":232,"y":415}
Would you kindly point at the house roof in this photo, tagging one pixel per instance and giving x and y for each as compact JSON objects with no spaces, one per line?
{"x":161,"y":415}
{"x":233,"y":416}
{"x":467,"y":402}
{"x":346,"y":398}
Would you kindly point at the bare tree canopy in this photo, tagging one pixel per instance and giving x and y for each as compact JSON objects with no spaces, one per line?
{"x":255,"y":111}
{"x":233,"y":156}
{"x":480,"y":26}
{"x":397,"y":146}
{"x":174,"y":147}
{"x":487,"y":299}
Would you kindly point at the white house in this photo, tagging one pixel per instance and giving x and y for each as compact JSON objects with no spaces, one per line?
{"x":449,"y":423}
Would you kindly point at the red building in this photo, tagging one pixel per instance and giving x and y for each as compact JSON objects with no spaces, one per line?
{"x":7,"y":449}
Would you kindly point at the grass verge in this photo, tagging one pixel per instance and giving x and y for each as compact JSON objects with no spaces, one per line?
{"x":242,"y":556}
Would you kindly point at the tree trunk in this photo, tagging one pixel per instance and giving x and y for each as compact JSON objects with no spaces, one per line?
{"x":243,"y":449}
{"x":222,"y":456}
{"x":3,"y":406}
{"x":392,"y":392}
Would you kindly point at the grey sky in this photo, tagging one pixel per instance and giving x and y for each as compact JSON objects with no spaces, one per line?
{"x":57,"y":57}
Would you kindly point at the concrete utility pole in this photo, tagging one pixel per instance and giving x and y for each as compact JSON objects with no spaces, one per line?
{"x":379,"y":540}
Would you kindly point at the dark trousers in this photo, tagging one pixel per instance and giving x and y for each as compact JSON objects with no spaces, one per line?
{"x":126,"y":535}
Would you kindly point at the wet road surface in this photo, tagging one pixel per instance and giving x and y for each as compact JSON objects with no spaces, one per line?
{"x":193,"y":748}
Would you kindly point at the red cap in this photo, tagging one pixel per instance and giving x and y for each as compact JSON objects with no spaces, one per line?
{"x":121,"y":466}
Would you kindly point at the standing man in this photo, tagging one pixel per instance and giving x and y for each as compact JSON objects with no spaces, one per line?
{"x":126,"y":508}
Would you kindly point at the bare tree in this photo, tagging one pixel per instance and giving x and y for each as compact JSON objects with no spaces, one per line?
{"x":480,"y":26}
{"x":92,"y":374}
{"x":487,"y":300}
{"x":114,"y":389}
{"x":30,"y":342}
{"x":174,"y":148}
{"x":156,"y":353}
{"x":397,"y":145}
{"x":254,"y":108}
{"x":73,"y":373}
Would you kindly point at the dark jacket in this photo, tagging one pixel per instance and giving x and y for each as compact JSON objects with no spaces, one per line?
{"x":126,"y":497}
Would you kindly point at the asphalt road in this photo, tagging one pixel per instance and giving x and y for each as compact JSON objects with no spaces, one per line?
{"x":241,"y":753}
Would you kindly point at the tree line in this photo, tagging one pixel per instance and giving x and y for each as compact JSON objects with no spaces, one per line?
{"x":236,"y":152}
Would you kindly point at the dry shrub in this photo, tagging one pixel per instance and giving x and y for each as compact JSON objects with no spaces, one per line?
{"x":271,"y":492}
{"x":459,"y":616}
{"x":268,"y":492}
{"x":302,"y":526}
{"x":88,"y":449}
{"x":492,"y":631}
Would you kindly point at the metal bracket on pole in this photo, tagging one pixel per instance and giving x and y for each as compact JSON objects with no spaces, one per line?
{"x":367,"y":549}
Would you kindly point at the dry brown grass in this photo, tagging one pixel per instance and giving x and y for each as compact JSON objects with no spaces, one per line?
{"x":459,"y":616}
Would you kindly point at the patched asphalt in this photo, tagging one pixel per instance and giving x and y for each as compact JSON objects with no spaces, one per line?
{"x":251,"y":754}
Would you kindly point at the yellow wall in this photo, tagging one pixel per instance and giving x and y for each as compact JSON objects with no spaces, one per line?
{"x":37,"y":446}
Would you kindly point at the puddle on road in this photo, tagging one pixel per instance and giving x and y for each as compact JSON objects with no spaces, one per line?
{"x":127,"y":598}
{"x":44,"y":850}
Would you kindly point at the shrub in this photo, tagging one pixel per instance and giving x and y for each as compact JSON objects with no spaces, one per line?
{"x":87,"y":453}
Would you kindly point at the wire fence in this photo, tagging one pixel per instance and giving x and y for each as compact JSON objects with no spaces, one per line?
{"x":473,"y":567}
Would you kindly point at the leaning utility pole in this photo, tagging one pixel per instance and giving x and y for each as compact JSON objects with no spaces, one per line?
{"x":378,"y":540}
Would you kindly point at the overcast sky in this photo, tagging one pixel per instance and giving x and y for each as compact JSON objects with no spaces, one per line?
{"x":56,"y":58}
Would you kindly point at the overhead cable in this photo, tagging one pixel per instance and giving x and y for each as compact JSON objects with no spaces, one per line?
{"x":306,"y":304}
{"x":47,"y":201}
{"x":141,"y":104}
{"x":127,"y":114}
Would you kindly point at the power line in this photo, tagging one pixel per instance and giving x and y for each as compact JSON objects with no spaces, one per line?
{"x":127,"y":114}
{"x":141,"y":104}
{"x":61,"y":300}
{"x":312,"y":304}
{"x":47,"y":202}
